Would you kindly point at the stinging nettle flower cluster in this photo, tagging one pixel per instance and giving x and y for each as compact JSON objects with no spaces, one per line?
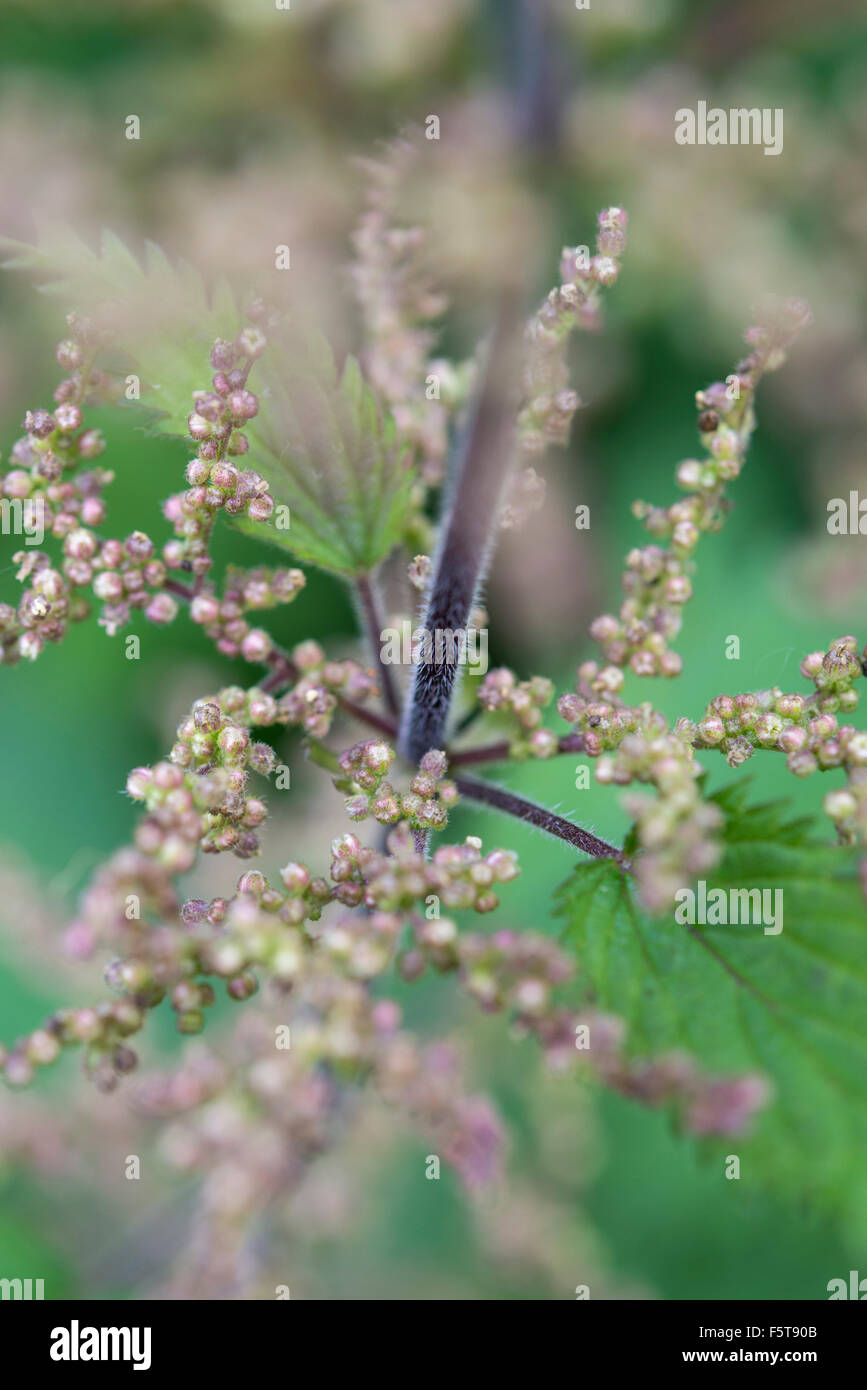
{"x":363,"y":450}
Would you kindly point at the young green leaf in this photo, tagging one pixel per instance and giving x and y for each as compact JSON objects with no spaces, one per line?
{"x":330,"y":455}
{"x":341,"y":483}
{"x":791,"y":1005}
{"x":157,"y":315}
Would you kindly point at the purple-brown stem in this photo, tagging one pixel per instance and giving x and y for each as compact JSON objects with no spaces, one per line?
{"x":552,"y":824}
{"x":174,"y":586}
{"x":500,"y":752}
{"x":473,"y":507}
{"x":373,"y":622}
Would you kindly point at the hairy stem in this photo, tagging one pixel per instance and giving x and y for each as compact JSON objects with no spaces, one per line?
{"x":555,"y":825}
{"x":373,"y":622}
{"x":467,"y":540}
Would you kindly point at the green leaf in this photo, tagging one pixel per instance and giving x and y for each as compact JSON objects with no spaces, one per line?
{"x":330,"y":455}
{"x":159,"y":315}
{"x":791,"y":1006}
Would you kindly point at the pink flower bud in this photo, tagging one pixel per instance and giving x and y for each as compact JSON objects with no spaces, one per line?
{"x":162,"y":609}
{"x":252,"y":342}
{"x":260,"y":508}
{"x":204,"y":609}
{"x":69,"y":354}
{"x":222,"y":355}
{"x":68,"y":418}
{"x":243,"y":405}
{"x":198,"y":426}
{"x":39,"y":423}
{"x":91,"y":444}
{"x":256,"y":646}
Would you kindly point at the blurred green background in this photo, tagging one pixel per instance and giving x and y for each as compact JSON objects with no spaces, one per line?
{"x":249,"y":121}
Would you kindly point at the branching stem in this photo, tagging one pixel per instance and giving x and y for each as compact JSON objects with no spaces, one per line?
{"x":500,"y":752}
{"x":373,"y":622}
{"x":543,"y":819}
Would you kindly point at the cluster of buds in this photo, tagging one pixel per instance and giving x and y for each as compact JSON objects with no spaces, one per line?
{"x":42,"y":499}
{"x":252,"y":1119}
{"x":45,"y":609}
{"x":127,"y":575}
{"x":521,"y":972}
{"x":360,"y":945}
{"x":847,"y":806}
{"x":246,"y":1125}
{"x":677,"y":830}
{"x":252,"y":1126}
{"x":262,"y":927}
{"x":459,"y":876}
{"x":121,"y":573}
{"x":428,"y":1083}
{"x":657,"y":579}
{"x":522,"y":701}
{"x":189,"y":998}
{"x":804,"y":727}
{"x":199,"y":798}
{"x":339,"y":1030}
{"x":424,"y":807}
{"x":130,"y":905}
{"x":225,"y":938}
{"x":398,"y":304}
{"x":833,"y":674}
{"x":244,"y":590}
{"x":313,"y":699}
{"x":55,"y":443}
{"x":507,"y":970}
{"x":259,"y":927}
{"x":216,"y":483}
{"x":596,"y":710}
{"x":550,"y":405}
{"x":101,"y":1031}
{"x":124,"y":575}
{"x":526,"y":495}
{"x":707,"y":1105}
{"x":105,"y":916}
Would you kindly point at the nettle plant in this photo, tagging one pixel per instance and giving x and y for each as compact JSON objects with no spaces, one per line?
{"x":738,"y":1033}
